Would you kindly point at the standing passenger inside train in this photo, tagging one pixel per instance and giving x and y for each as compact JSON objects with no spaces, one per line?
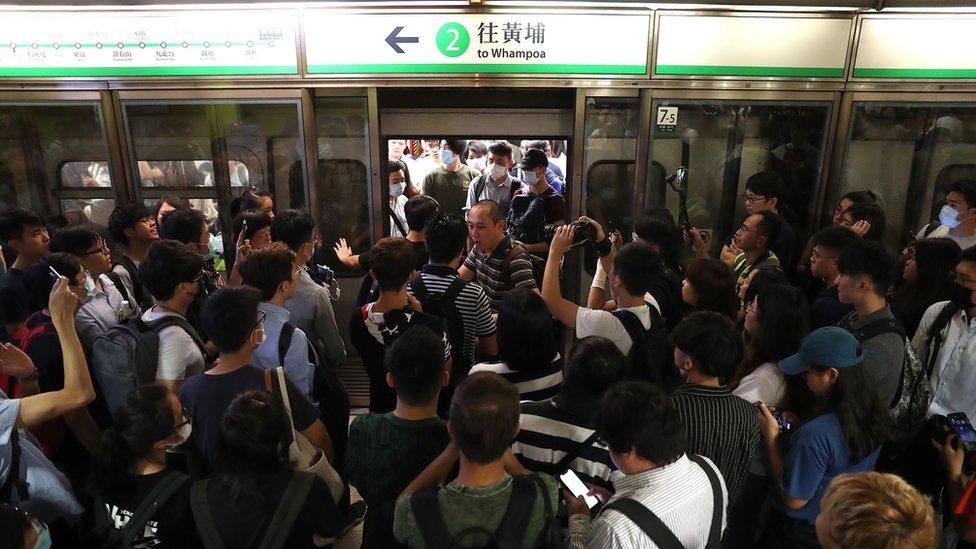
{"x":398,"y":185}
{"x":496,"y":183}
{"x":132,"y":226}
{"x":553,"y":175}
{"x":448,"y":183}
{"x":957,"y":219}
{"x":538,"y":206}
{"x":23,"y":233}
{"x":476,"y":155}
{"x":764,"y":193}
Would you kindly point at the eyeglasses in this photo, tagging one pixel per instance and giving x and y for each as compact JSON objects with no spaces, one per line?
{"x":103,"y":249}
{"x":749,"y":197}
{"x":961,"y":278}
{"x":260,"y":323}
{"x":817,"y":255}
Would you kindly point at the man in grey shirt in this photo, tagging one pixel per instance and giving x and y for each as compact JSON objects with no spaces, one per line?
{"x":496,"y":183}
{"x":866,"y":272}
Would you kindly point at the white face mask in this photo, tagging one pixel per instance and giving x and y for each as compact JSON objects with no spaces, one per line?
{"x":396,"y":189}
{"x":447,"y":157}
{"x":497,"y":171}
{"x":530,"y":178}
{"x":477,"y":163}
{"x":183,"y":433}
{"x":947,"y":216}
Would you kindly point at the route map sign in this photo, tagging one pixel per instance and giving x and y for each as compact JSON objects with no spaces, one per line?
{"x":197,"y":43}
{"x":516,"y":43}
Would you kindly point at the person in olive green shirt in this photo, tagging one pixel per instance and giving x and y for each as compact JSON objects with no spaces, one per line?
{"x":449,"y":182}
{"x":483,"y":422}
{"x":386,"y":451}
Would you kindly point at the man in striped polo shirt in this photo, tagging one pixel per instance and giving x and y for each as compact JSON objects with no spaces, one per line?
{"x":565,"y":426}
{"x":492,"y":262}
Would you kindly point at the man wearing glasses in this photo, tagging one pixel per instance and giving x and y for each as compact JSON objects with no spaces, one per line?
{"x":764,"y":193}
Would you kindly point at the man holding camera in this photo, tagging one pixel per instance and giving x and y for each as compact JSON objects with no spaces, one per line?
{"x":529,"y":213}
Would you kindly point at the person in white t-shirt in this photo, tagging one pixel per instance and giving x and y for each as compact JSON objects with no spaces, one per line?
{"x":957,"y":219}
{"x":171,"y":273}
{"x":631,"y":269}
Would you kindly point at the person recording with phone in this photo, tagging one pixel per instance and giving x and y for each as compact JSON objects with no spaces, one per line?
{"x":954,"y":453}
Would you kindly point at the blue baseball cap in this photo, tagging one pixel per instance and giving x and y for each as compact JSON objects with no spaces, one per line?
{"x":830,"y":347}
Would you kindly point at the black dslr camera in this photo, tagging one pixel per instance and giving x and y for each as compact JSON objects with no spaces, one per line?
{"x":585,"y":233}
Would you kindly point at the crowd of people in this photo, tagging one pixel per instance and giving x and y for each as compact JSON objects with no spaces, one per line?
{"x":793,"y":391}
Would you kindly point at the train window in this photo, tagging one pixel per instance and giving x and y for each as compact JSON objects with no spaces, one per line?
{"x":904,"y":150}
{"x":342,"y":190}
{"x":174,"y":143}
{"x":609,"y":158}
{"x":54,"y":159}
{"x":723,"y":143}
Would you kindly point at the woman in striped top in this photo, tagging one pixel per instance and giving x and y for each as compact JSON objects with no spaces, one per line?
{"x":527,"y":346}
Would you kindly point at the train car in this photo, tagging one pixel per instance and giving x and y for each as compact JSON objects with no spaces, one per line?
{"x":134,"y":101}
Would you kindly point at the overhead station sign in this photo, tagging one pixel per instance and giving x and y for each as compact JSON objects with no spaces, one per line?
{"x":517,"y":43}
{"x":814,"y":47}
{"x":916,"y":47}
{"x":198,"y":43}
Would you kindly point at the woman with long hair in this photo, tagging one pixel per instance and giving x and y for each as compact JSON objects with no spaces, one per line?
{"x":927,"y":280}
{"x":130,"y":470}
{"x":709,"y":285}
{"x":254,"y":487}
{"x":527,"y":347}
{"x":845,"y":437}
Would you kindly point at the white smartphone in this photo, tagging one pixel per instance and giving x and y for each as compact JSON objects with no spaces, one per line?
{"x":578,"y":489}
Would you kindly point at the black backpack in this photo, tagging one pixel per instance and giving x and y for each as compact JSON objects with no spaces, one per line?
{"x":510,"y":531}
{"x":110,"y":537}
{"x":527,"y":217}
{"x":444,"y":306}
{"x":650,"y":357}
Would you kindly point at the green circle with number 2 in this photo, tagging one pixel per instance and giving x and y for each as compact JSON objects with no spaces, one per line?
{"x":453,"y":39}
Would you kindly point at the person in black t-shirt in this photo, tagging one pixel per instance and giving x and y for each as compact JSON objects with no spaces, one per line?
{"x":131,"y":464}
{"x":22,"y":232}
{"x":252,"y":477}
{"x":232,"y":319}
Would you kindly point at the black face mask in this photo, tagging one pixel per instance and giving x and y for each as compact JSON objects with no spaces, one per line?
{"x":961,"y":296}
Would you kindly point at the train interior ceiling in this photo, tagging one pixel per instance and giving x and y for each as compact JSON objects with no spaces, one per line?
{"x":304,"y":99}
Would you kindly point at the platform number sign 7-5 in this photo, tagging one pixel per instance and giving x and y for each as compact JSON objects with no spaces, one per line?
{"x":667,"y":118}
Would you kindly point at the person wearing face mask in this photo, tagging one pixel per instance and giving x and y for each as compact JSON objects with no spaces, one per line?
{"x":172,"y":274}
{"x":531,"y":211}
{"x":237,"y":325}
{"x":496,"y":183}
{"x":191,"y":228}
{"x":130,"y":471}
{"x":449,"y":182}
{"x":957,"y":219}
{"x":476,"y":155}
{"x":398,"y":185}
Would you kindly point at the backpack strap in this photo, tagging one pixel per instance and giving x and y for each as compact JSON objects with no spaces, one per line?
{"x":206,"y":526}
{"x":396,"y":222}
{"x":552,"y":535}
{"x":137,"y":287}
{"x":284,"y":341}
{"x":479,"y":186}
{"x":159,"y":495}
{"x":718,"y":505}
{"x":878,"y":327}
{"x":176,"y":320}
{"x":430,"y":521}
{"x":931,"y":227}
{"x":419,"y":289}
{"x":117,"y":281}
{"x":515,"y":521}
{"x":13,"y":480}
{"x":575,"y":452}
{"x":291,"y":505}
{"x":646,"y":520}
{"x":453,"y":290}
{"x":934,"y":335}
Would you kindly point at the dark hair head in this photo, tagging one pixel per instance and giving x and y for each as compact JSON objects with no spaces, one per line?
{"x":256,"y":220}
{"x":501,"y":148}
{"x":75,"y":240}
{"x":294,"y":228}
{"x":478,"y":147}
{"x":766,"y":183}
{"x":168,"y":264}
{"x":862,"y":197}
{"x":392,"y":260}
{"x":873,"y":214}
{"x":38,"y":281}
{"x":967,"y":188}
{"x":417,"y":365}
{"x":142,"y":420}
{"x":230,"y":315}
{"x":252,"y":199}
{"x":266,"y":269}
{"x":657,"y":226}
{"x":457,"y":146}
{"x":768,"y":226}
{"x":592,"y":367}
{"x":764,"y":277}
{"x":968,"y":255}
{"x":446,"y":237}
{"x":14,"y":222}
{"x":714,"y":284}
{"x":935,"y":258}
{"x":712,"y":342}
{"x":868,"y":258}
{"x":184,"y":226}
{"x":538,"y":144}
{"x":863,"y":417}
{"x":638,"y":267}
{"x":171,"y":201}
{"x":419,"y":210}
{"x":637,"y":415}
{"x":834,"y":237}
{"x":495,"y":211}
{"x":525,"y":338}
{"x":125,"y":217}
{"x":484,"y":417}
{"x":393,"y":166}
{"x":252,"y":444}
{"x":782,"y":316}
{"x":14,"y":525}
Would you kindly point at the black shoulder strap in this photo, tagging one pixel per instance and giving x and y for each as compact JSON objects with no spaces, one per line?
{"x":551,"y":532}
{"x":646,"y":520}
{"x":453,"y":290}
{"x":419,"y":289}
{"x":13,"y":480}
{"x":718,"y":504}
{"x":575,"y":452}
{"x":396,"y":222}
{"x":430,"y":521}
{"x":291,"y":505}
{"x":159,"y":495}
{"x":176,"y":320}
{"x":206,"y":526}
{"x":631,"y":323}
{"x":117,"y":281}
{"x":878,"y":327}
{"x":515,"y":521}
{"x":934,"y":335}
{"x":479,"y":186}
{"x":284,"y":341}
{"x":931,"y":227}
